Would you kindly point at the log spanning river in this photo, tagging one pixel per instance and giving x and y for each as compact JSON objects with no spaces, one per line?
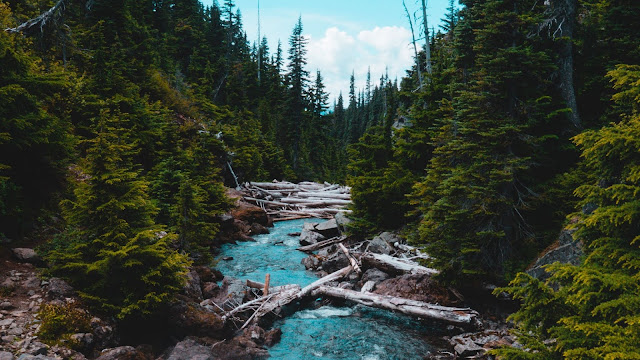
{"x":326,"y":332}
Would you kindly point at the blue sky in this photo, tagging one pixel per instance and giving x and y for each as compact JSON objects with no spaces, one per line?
{"x":344,"y":35}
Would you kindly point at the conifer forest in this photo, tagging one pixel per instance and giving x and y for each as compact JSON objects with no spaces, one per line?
{"x":507,"y":157}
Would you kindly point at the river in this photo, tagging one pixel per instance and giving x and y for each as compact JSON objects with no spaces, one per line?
{"x":327,"y":332}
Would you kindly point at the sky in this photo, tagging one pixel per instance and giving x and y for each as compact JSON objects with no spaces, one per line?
{"x":344,"y":35}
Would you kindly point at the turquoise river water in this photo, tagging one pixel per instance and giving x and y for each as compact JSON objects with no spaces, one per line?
{"x":327,"y":332}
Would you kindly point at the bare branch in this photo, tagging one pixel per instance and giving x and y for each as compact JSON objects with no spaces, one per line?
{"x":40,"y":21}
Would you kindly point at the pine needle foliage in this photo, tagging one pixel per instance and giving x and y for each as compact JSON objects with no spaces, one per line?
{"x":592,"y":311}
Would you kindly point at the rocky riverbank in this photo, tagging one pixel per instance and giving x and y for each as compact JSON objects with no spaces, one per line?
{"x":409,"y":282}
{"x":191,"y":327}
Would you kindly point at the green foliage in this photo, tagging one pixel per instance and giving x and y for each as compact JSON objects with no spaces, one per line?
{"x":59,"y":322}
{"x":117,"y":258}
{"x":34,"y":137}
{"x":591,"y":310}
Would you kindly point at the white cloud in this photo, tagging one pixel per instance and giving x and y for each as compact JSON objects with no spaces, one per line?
{"x":338,"y":53}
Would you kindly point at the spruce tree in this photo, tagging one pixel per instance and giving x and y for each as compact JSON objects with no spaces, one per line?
{"x":114,"y":254}
{"x":591,"y":310}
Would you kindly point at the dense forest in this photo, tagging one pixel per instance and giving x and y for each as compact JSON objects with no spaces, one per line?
{"x":122,"y":121}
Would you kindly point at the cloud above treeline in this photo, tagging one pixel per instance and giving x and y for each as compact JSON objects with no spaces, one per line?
{"x":338,"y":53}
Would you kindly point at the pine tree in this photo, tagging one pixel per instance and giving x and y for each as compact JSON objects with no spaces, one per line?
{"x":592,"y":310}
{"x":475,"y":191}
{"x":297,"y":79}
{"x":114,"y":254}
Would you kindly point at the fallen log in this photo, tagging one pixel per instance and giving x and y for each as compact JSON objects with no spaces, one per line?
{"x":458,"y":316}
{"x":295,"y":217}
{"x":315,"y":202}
{"x":324,"y":195}
{"x":267,"y":202}
{"x":393,"y":265}
{"x":327,"y":279}
{"x":275,"y":185}
{"x":352,"y":260}
{"x":322,"y":244}
{"x":277,"y":295}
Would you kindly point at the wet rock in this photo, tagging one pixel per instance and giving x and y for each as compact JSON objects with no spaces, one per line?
{"x":335,"y":262}
{"x":342,"y":221}
{"x":205,"y":273}
{"x":59,"y":289}
{"x":375,"y":275}
{"x":465,"y":347}
{"x":123,"y":353}
{"x":311,"y":262}
{"x":5,"y":355}
{"x":239,"y":348}
{"x":209,"y":290}
{"x":251,"y":214}
{"x":258,"y":229}
{"x":192,"y":319}
{"x":379,"y":246}
{"x":328,"y":229}
{"x":190,"y":349}
{"x":295,"y":234}
{"x":192,"y":288}
{"x":26,"y":255}
{"x":566,"y":250}
{"x":227,"y":258}
{"x":310,"y":237}
{"x":272,"y":337}
{"x":232,"y":293}
{"x":418,"y":287}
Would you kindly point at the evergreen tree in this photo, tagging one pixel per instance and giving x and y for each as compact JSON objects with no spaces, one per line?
{"x":591,"y":310}
{"x":475,"y":191}
{"x":114,"y":254}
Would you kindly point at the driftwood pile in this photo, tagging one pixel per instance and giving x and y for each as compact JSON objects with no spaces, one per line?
{"x":359,"y":259}
{"x":288,"y":201}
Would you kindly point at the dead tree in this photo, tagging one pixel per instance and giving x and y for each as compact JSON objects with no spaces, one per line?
{"x":30,"y":27}
{"x":427,"y":48}
{"x":415,"y":47}
{"x":559,"y":22}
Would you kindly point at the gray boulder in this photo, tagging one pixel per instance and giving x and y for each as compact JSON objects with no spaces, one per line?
{"x":328,"y":229}
{"x":342,"y":221}
{"x":192,"y":288}
{"x":375,"y":275}
{"x":335,"y":262}
{"x":122,"y":353}
{"x":311,"y":262}
{"x":59,"y":289}
{"x":379,"y":246}
{"x":310,"y":237}
{"x":189,"y":349}
{"x":5,"y":355}
{"x":26,"y":255}
{"x":567,"y":251}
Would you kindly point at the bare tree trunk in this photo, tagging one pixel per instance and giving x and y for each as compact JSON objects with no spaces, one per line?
{"x":458,"y":316}
{"x":567,"y":15}
{"x":415,"y":47}
{"x":427,"y":38}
